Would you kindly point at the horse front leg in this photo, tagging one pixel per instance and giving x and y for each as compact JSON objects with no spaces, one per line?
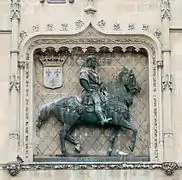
{"x":129,"y":126}
{"x":63,"y":133}
{"x":112,"y":138}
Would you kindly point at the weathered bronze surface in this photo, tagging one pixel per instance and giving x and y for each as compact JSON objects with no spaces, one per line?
{"x":97,"y":103}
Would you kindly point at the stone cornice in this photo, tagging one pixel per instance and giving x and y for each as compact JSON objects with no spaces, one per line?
{"x":15,"y":167}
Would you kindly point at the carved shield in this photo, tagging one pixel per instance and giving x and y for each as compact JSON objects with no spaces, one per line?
{"x":52,"y":77}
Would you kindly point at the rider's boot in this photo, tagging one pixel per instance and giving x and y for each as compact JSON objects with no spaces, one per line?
{"x":103,"y":119}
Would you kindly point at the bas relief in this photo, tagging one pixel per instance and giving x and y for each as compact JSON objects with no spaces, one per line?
{"x":94,"y":141}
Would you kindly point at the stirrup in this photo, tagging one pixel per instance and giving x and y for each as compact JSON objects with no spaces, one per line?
{"x":106,"y":120}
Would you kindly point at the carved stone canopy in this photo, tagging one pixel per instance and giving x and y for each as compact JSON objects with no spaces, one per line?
{"x":92,"y":41}
{"x":89,"y":41}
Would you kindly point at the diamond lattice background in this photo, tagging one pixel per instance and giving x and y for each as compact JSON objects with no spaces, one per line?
{"x":94,"y":141}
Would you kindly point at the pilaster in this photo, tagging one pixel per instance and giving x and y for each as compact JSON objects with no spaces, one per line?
{"x":166,"y":81}
{"x":14,"y":85}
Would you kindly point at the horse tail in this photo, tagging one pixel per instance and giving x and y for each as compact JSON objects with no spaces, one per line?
{"x":44,"y":113}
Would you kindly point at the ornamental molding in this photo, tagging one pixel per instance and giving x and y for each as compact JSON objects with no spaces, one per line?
{"x":165,"y":9}
{"x":15,"y":9}
{"x":14,"y":168}
{"x":94,"y":30}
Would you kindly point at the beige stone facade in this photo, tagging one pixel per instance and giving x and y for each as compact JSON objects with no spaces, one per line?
{"x":144,"y":35}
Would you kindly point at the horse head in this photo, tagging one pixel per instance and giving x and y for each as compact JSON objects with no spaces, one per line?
{"x":127,"y":85}
{"x":128,"y":80}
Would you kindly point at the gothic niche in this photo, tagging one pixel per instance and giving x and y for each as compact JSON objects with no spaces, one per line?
{"x":94,"y":141}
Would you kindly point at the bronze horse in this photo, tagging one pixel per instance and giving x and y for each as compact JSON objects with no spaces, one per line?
{"x":116,"y":105}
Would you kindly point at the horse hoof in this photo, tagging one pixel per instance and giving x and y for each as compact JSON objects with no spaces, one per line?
{"x":78,"y":148}
{"x":131,"y":147}
{"x":66,"y":154}
{"x":109,"y":153}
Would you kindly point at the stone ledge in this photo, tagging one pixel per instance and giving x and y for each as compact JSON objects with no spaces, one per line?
{"x":81,"y":159}
{"x":15,"y":167}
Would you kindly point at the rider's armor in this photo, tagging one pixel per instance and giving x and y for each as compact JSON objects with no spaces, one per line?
{"x":89,"y":80}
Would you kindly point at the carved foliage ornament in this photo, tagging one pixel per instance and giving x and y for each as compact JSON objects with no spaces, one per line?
{"x":64,"y":27}
{"x":15,"y":167}
{"x":157,"y":33}
{"x":131,"y":27}
{"x":101,"y":24}
{"x":167,"y":82}
{"x":15,"y":9}
{"x":165,"y":9}
{"x":14,"y":82}
{"x":116,"y":26}
{"x":79,"y":24}
{"x":49,"y":27}
{"x":35,"y":28}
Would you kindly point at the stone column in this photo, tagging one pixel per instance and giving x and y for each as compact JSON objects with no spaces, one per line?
{"x":14,"y":81}
{"x":166,"y":82}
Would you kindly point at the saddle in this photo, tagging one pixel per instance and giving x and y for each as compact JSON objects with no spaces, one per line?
{"x":87,"y":102}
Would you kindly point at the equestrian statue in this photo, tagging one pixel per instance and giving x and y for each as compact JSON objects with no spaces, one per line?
{"x":99,"y":106}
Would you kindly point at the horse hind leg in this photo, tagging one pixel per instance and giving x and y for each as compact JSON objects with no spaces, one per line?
{"x":129,"y":126}
{"x":63,"y":133}
{"x":71,"y":139}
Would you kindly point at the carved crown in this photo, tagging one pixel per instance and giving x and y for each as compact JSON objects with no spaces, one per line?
{"x":52,"y":60}
{"x":49,"y":57}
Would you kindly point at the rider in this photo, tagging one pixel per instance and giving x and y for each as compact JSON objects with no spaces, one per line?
{"x":89,"y":80}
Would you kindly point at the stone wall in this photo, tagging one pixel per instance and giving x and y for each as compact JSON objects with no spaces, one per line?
{"x":159,"y":21}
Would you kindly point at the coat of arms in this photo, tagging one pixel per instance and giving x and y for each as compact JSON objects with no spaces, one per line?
{"x":52,"y":77}
{"x":52,"y":74}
